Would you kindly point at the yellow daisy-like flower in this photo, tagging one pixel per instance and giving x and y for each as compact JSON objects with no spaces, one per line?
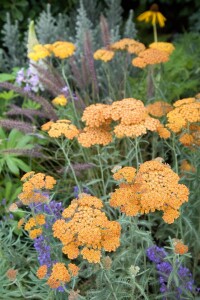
{"x":153,"y":16}
{"x":60,"y":100}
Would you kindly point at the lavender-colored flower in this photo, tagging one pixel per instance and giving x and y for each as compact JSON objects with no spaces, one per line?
{"x":156,"y":254}
{"x":27,"y":87}
{"x":3,"y":202}
{"x":53,"y":210}
{"x":20,"y":77}
{"x":43,"y":250}
{"x":29,"y":79}
{"x":165,"y":268}
{"x":77,"y":192}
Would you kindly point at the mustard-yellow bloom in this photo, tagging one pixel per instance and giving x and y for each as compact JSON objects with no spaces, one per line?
{"x":153,"y":16}
{"x":104,"y":55}
{"x":60,"y":100}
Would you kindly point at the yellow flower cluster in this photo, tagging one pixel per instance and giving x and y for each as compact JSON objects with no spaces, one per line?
{"x":59,"y":128}
{"x":154,"y":187}
{"x":60,"y":275}
{"x":163,"y":46}
{"x":150,"y":56}
{"x":183,"y":118}
{"x":179,"y":247}
{"x":131,"y":114}
{"x":130,"y":45}
{"x":86,"y":230}
{"x":36,"y":223}
{"x":60,"y":100}
{"x":60,"y":49}
{"x":33,"y":187}
{"x":104,"y":55}
{"x":159,"y":108}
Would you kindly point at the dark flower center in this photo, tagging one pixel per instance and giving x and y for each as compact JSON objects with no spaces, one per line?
{"x":154,"y":7}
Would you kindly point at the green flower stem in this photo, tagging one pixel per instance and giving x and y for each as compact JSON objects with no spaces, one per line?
{"x":111,"y":90}
{"x":101,"y":170}
{"x":62,"y":147}
{"x":109,"y":282}
{"x":155,"y":35}
{"x":138,"y":154}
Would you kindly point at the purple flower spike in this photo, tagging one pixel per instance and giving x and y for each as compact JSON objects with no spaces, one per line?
{"x":156,"y":254}
{"x":43,"y":250}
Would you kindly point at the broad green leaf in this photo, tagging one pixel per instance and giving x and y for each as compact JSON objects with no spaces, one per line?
{"x":22,"y":165}
{"x":6,"y":77}
{"x":10,"y":161}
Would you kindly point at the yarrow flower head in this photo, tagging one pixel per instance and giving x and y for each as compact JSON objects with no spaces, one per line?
{"x":60,"y":100}
{"x":60,"y":128}
{"x":163,"y":46}
{"x":179,"y":247}
{"x":131,"y":115}
{"x":34,"y":187}
{"x":154,"y":187}
{"x":86,"y":230}
{"x":184,"y":119}
{"x":130,"y":45}
{"x":60,"y":49}
{"x":104,"y":55}
{"x":153,"y":15}
{"x":159,"y":108}
{"x":150,"y":56}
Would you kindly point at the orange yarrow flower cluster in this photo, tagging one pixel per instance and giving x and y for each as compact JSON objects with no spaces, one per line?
{"x":130,"y":114}
{"x":86,"y":230}
{"x":154,"y":187}
{"x":33,"y":187}
{"x":97,"y":130}
{"x":34,"y":224}
{"x":163,"y":46}
{"x":60,"y":49}
{"x":184,"y":119}
{"x":104,"y":55}
{"x":60,"y":274}
{"x":179,"y":247}
{"x":159,"y":108}
{"x":60,"y":128}
{"x":130,"y":45}
{"x":42,"y":271}
{"x":150,"y":56}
